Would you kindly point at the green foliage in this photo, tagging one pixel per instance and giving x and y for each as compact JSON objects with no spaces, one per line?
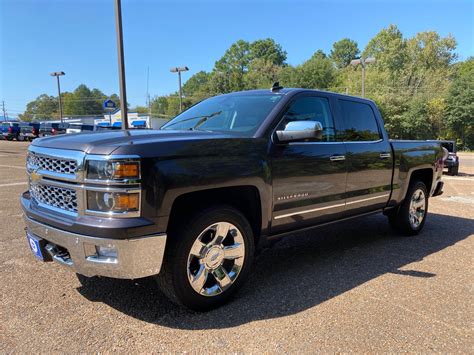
{"x":420,"y":90}
{"x":44,"y":107}
{"x":81,"y":102}
{"x":460,"y":105}
{"x":343,"y":52}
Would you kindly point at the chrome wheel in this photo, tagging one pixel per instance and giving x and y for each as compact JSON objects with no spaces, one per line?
{"x":417,"y":209}
{"x":216,"y":259}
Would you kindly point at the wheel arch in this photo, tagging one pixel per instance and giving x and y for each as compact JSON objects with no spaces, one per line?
{"x":245,"y":198}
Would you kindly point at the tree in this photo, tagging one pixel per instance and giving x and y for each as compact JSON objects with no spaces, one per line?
{"x":316,"y":73}
{"x":43,"y":107}
{"x":343,"y":52}
{"x":159,"y":105}
{"x":234,"y":64}
{"x":460,"y":104}
{"x":267,"y":51}
{"x":83,"y":102}
{"x":388,"y":47}
{"x":197,"y":84}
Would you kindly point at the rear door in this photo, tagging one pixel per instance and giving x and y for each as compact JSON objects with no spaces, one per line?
{"x":309,"y":177}
{"x":368,"y":155}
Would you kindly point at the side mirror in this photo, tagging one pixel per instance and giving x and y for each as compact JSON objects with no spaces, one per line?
{"x":300,"y":130}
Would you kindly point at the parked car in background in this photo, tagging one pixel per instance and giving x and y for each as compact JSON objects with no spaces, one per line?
{"x":452,"y":161}
{"x":108,"y":128}
{"x":10,"y":130}
{"x":52,"y":128}
{"x":80,"y":127}
{"x":28,"y":131}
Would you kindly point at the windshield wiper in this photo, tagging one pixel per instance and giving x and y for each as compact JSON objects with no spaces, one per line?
{"x":203,"y":119}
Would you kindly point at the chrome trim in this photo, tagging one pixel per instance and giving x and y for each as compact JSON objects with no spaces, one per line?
{"x":60,"y":154}
{"x":137,"y":257}
{"x":329,"y":207}
{"x":385,"y":155}
{"x":309,"y":211}
{"x":367,"y":199}
{"x":79,"y":183}
{"x":376,"y":141}
{"x":337,"y":158}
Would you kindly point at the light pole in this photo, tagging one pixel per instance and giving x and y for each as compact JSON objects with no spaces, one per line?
{"x":121,"y":64}
{"x":179,"y":70}
{"x":57,"y":74}
{"x":363,"y":62}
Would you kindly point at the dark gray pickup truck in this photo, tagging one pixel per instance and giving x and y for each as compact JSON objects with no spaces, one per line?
{"x":190,"y":203}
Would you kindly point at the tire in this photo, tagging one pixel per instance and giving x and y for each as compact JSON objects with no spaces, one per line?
{"x":195,"y":251}
{"x":410,"y":217}
{"x":455,"y":170}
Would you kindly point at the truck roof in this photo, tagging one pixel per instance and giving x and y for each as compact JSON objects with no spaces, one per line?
{"x":293,"y":91}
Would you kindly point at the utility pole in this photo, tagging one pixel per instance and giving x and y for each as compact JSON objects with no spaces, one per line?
{"x":4,"y":112}
{"x":148,"y":95}
{"x":121,"y":63}
{"x":179,"y":70}
{"x":363,"y":63}
{"x":57,"y":74}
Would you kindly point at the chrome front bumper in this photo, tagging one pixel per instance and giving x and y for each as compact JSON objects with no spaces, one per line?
{"x":137,"y":257}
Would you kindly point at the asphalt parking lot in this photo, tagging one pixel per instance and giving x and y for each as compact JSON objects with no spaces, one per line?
{"x":355,"y":286}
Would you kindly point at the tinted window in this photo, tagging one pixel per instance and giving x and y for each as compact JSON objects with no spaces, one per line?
{"x":311,"y":109}
{"x":449,"y":146}
{"x":240,"y":114}
{"x":87,"y":128}
{"x":360,"y":123}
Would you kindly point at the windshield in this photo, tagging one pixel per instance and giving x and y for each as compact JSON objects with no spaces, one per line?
{"x":240,"y":114}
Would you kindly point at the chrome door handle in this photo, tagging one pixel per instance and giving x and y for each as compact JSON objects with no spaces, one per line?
{"x":385,"y":155}
{"x":337,"y":158}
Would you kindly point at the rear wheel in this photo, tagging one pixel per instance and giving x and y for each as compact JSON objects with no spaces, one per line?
{"x":409,"y":218}
{"x":207,"y":258}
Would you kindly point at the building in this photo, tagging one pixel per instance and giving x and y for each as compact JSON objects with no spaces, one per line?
{"x":135,"y":120}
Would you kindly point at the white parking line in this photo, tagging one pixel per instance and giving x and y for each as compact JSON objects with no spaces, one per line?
{"x":14,"y":184}
{"x":12,"y":166}
{"x":454,"y":178}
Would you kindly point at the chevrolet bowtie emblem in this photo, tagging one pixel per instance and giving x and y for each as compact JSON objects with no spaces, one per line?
{"x":35,"y":176}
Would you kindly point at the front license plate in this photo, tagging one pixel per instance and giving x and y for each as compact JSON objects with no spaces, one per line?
{"x":35,"y":246}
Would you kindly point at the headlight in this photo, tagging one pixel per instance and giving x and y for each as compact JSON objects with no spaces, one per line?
{"x":117,"y":202}
{"x":113,"y":170}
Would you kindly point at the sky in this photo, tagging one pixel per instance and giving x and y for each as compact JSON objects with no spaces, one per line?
{"x":78,"y":37}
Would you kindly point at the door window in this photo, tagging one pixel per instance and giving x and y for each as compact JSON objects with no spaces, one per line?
{"x":360,"y":123}
{"x":311,"y":109}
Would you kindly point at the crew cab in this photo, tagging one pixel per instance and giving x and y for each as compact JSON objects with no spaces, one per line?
{"x":189,"y":204}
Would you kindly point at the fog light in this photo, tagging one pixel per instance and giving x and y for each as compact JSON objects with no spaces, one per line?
{"x":106,"y":251}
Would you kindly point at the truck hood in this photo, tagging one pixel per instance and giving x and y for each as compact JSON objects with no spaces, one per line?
{"x":141,"y":142}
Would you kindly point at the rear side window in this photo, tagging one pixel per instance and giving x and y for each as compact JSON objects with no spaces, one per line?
{"x":311,"y":108}
{"x":360,"y":123}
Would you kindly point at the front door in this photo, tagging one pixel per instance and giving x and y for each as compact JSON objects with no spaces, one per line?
{"x":309,"y":177}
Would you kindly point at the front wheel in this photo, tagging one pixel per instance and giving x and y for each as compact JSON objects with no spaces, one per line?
{"x":208,"y":258}
{"x":410,"y":217}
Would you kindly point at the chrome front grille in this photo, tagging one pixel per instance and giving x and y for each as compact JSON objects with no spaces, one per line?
{"x":54,"y":165}
{"x":53,"y":196}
